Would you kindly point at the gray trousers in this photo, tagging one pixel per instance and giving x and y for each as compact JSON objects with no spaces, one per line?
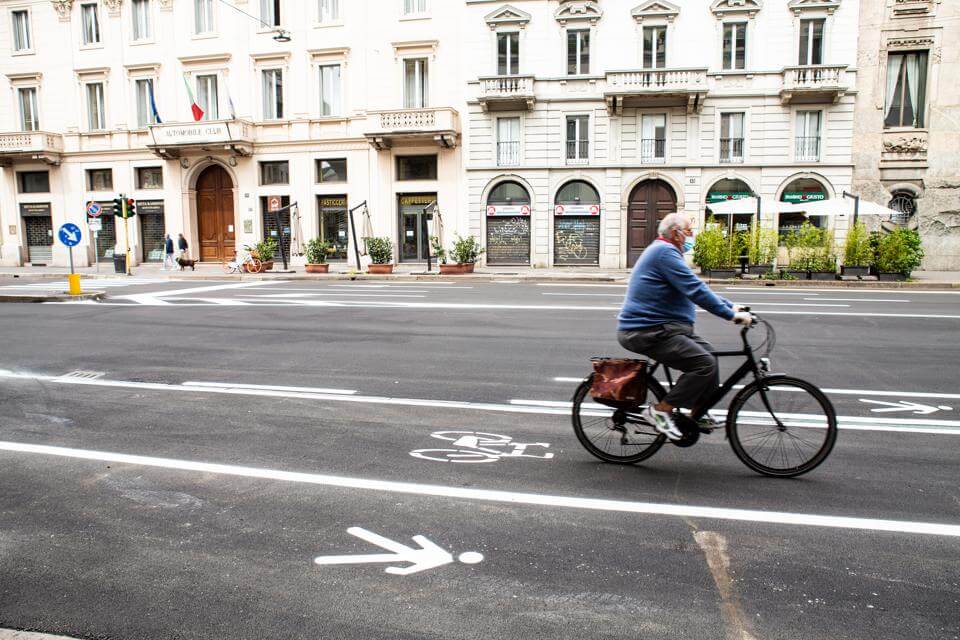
{"x":678,"y":347}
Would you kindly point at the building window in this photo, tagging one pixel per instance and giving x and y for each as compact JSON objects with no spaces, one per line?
{"x":33,"y":181}
{"x":275,"y":172}
{"x":508,"y":54}
{"x":808,"y":136}
{"x":329,"y":10}
{"x":202,"y":16}
{"x":99,"y":179}
{"x":413,"y":7}
{"x":141,"y":20}
{"x":207,"y":96}
{"x":29,"y":114}
{"x":906,"y":89}
{"x":731,"y":137}
{"x":415,"y":79}
{"x":578,"y":139}
{"x":334,"y":170}
{"x":811,"y":41}
{"x":21,"y":30}
{"x":905,"y":204}
{"x":149,"y":178}
{"x":578,"y":52}
{"x":270,"y":12}
{"x":653,"y":140}
{"x":330,"y":90}
{"x":508,"y":142}
{"x":90,"y":23}
{"x":654,"y":47}
{"x":735,"y":45}
{"x":417,"y":168}
{"x":96,"y":120}
{"x":272,"y":94}
{"x":145,"y":115}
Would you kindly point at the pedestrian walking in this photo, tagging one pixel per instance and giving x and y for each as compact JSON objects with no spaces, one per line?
{"x":167,"y":253}
{"x":182,"y":246}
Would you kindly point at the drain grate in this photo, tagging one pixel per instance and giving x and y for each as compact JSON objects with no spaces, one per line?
{"x":84,"y":375}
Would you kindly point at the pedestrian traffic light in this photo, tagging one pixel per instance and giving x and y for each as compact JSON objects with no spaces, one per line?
{"x":118,"y":207}
{"x":131,"y":207}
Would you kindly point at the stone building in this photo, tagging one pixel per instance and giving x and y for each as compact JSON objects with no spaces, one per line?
{"x":907,"y":124}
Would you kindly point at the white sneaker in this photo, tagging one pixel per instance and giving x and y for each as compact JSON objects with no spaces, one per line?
{"x":662,"y":422}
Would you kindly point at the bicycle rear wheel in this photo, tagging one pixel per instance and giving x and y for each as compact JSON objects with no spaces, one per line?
{"x":603,"y":431}
{"x":254,"y":266}
{"x":782,"y":427}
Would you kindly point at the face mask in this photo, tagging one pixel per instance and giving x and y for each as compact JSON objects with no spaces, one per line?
{"x":688,"y":244}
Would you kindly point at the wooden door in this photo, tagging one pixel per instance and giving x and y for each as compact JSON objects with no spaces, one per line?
{"x":215,"y":216}
{"x":650,"y":202}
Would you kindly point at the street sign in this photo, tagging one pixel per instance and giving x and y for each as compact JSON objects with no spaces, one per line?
{"x":427,"y":556}
{"x":577,"y":210}
{"x":94,"y":209}
{"x":273,"y":203}
{"x":508,"y":210}
{"x":95,"y":224}
{"x":70,"y":234}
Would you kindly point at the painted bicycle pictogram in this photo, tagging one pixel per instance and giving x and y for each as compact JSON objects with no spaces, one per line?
{"x":476,"y":447}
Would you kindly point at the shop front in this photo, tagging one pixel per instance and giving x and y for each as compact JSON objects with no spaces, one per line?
{"x":332,"y":216}
{"x":276,"y":216}
{"x":38,"y":228}
{"x":508,"y":225}
{"x":724,"y":191}
{"x":576,"y":225}
{"x":798,"y":192}
{"x":152,"y":229}
{"x":413,"y":225}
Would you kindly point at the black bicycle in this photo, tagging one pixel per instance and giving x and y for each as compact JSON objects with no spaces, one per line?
{"x":777,"y":425}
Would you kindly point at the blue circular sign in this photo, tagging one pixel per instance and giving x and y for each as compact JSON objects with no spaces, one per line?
{"x":70,"y":234}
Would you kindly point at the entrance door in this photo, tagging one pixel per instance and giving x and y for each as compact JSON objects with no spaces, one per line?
{"x":215,"y":215}
{"x":650,"y":202}
{"x":39,"y":239}
{"x":414,"y":243}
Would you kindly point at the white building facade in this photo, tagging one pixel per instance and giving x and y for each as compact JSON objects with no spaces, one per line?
{"x":589,"y":120}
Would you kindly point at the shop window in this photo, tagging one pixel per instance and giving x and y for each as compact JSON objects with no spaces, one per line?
{"x":798,"y":192}
{"x":332,"y":212}
{"x":99,"y":179}
{"x":275,"y":172}
{"x":417,"y":168}
{"x":150,"y":178}
{"x":723,"y":191}
{"x":33,"y":181}
{"x":332,"y":170}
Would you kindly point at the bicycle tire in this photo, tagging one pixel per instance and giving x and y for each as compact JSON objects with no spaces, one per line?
{"x":228,"y":267}
{"x":799,"y":394}
{"x":254,"y":266}
{"x":601,"y":428}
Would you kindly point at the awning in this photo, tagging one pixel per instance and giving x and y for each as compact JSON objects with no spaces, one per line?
{"x":844,"y":207}
{"x":749,"y":206}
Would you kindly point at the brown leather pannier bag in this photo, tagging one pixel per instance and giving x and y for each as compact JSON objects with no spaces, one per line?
{"x":619,"y":382}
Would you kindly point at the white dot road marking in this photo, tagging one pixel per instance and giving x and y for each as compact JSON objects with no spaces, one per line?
{"x":499,"y":496}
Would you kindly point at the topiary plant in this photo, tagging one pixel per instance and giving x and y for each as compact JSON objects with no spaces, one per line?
{"x":317,"y":251}
{"x":466,"y":250}
{"x":380,"y":250}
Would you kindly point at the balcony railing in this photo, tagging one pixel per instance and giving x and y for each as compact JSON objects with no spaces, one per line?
{"x":808,"y":149}
{"x":810,"y":83}
{"x":172,"y":139}
{"x":441,"y":124}
{"x":508,"y":154}
{"x":731,"y":150}
{"x":685,"y":86}
{"x":507,"y":92}
{"x":578,"y":151}
{"x":653,"y":149}
{"x":38,"y":145}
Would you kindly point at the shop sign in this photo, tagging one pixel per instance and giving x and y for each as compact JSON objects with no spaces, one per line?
{"x":577,"y":210}
{"x":150,"y":207}
{"x":333,"y":202}
{"x":35,"y":209}
{"x":95,"y":224}
{"x":508,"y":210}
{"x":419,"y":200}
{"x":274,"y":203}
{"x":796,"y":196}
{"x":723,"y":196}
{"x":191,"y":134}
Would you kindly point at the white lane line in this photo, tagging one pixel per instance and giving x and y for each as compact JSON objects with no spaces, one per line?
{"x":578,"y":284}
{"x":767,"y":293}
{"x":155,"y":298}
{"x":237,"y":385}
{"x":856,"y":314}
{"x":561,"y":379}
{"x":586,"y":295}
{"x":503,"y":497}
{"x":418,"y":285}
{"x":334,"y":294}
{"x":851,"y":290}
{"x":329,"y":291}
{"x":762,"y":303}
{"x":853,"y":300}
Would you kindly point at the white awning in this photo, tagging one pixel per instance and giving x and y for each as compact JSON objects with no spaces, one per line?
{"x":749,"y":205}
{"x":844,"y":207}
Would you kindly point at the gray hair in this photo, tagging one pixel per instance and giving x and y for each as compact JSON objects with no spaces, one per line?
{"x":672,"y":221}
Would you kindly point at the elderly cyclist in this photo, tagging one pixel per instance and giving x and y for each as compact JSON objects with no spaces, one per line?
{"x":658,"y":315}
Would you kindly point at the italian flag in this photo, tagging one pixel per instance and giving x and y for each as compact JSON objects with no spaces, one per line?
{"x":197,"y":111}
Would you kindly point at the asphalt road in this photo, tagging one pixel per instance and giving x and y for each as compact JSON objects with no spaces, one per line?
{"x":263,"y":434}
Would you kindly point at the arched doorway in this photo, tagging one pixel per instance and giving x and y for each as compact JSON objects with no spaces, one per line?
{"x":798,"y":192}
{"x":215,"y":215}
{"x":650,"y":202}
{"x":576,"y":225}
{"x":508,"y":225}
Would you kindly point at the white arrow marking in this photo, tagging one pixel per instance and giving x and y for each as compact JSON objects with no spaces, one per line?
{"x":72,"y":236}
{"x":428,"y":556}
{"x":903,"y":405}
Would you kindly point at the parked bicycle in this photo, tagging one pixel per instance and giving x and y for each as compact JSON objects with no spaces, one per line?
{"x":777,"y":425}
{"x":243,"y":262}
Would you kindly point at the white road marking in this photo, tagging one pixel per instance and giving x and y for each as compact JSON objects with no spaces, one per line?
{"x":761,"y":303}
{"x":904,"y":405}
{"x":156,"y":298}
{"x":418,"y":285}
{"x":586,"y":295}
{"x":851,"y":290}
{"x":335,"y":294}
{"x":855,"y":300}
{"x":237,"y":385}
{"x":569,"y":379}
{"x":502,"y":497}
{"x":428,"y":556}
{"x":857,"y":314}
{"x":578,"y":284}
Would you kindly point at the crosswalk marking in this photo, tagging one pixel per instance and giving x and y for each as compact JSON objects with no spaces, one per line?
{"x":57,"y":285}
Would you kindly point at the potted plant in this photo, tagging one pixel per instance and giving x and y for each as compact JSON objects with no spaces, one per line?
{"x":715,"y":253}
{"x":823,"y":259}
{"x":264,"y":251}
{"x":762,"y":250}
{"x":438,"y":251}
{"x":899,"y":253}
{"x":317,"y":251}
{"x":380,"y":251}
{"x":799,"y":252}
{"x":464,"y":255}
{"x":858,"y":254}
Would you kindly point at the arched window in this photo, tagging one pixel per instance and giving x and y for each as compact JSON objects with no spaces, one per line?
{"x":797,"y":192}
{"x":576,"y":225}
{"x":730,"y":189}
{"x":509,"y":193}
{"x":905,"y":204}
{"x":578,"y":192}
{"x":508,"y":224}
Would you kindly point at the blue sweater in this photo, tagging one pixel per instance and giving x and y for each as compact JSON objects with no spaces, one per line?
{"x":664,"y":289}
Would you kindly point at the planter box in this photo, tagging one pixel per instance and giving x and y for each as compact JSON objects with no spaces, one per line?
{"x":380,"y":269}
{"x":891,"y":276}
{"x":317,"y":268}
{"x":759,"y":269}
{"x":855,"y":271}
{"x":268,"y":265}
{"x":456,"y":269}
{"x":799,"y":275}
{"x":722,"y":274}
{"x":823,"y":275}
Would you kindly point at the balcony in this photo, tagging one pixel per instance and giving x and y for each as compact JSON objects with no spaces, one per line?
{"x":508,"y":154}
{"x":25,"y":146}
{"x":813,"y":84}
{"x":578,"y":151}
{"x":656,"y":88}
{"x":731,"y":150}
{"x":807,"y":149}
{"x":653,"y":150}
{"x":507,"y":93}
{"x":172,"y":140}
{"x":440,"y":125}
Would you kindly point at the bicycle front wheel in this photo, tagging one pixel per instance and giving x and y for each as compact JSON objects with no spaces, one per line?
{"x":782,"y":427}
{"x":613,"y":436}
{"x":254,"y":266}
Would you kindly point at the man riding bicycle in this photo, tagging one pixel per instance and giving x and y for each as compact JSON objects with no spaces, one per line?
{"x":658,"y":315}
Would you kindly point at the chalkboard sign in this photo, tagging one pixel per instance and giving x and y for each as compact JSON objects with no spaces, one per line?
{"x":576,"y":240}
{"x":508,"y":240}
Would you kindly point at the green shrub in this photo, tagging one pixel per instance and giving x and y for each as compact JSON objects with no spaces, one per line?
{"x":264,"y":250}
{"x":714,"y":250}
{"x":811,"y":249}
{"x":761,"y":245}
{"x":899,"y":251}
{"x":857,"y":249}
{"x":466,"y":250}
{"x":380,"y":250}
{"x":317,"y":251}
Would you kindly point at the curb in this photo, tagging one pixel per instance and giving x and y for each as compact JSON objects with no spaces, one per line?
{"x":54,"y":297}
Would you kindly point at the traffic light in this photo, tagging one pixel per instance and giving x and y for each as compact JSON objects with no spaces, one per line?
{"x":118,"y":207}
{"x":131,"y":207}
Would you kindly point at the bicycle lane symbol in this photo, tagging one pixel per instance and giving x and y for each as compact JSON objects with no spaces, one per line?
{"x":476,"y":447}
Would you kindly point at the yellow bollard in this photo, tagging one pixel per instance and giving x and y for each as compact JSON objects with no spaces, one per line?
{"x":74,"y":281}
